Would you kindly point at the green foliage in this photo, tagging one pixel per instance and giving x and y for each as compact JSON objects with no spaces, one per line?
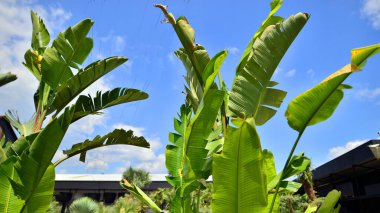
{"x":162,"y":197}
{"x":54,"y":207}
{"x":84,"y":205}
{"x":126,"y":204}
{"x":228,"y":145}
{"x":139,"y":177}
{"x":140,"y":195}
{"x":242,"y":155}
{"x":297,"y":203}
{"x":26,"y":172}
{"x":252,"y":94}
{"x":116,"y":137}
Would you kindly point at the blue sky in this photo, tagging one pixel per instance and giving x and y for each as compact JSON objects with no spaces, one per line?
{"x":133,"y":29}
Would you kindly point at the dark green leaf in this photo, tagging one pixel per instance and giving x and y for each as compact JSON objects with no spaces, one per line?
{"x":6,"y":78}
{"x":87,"y":105}
{"x":75,"y":85}
{"x":116,"y":137}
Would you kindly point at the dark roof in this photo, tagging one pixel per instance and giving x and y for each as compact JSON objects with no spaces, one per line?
{"x":360,"y":155}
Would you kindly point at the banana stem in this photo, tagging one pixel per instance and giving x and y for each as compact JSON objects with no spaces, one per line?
{"x":282,"y":173}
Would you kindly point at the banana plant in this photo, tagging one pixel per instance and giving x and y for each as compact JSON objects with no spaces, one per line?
{"x":244,"y":174}
{"x":27,"y":173}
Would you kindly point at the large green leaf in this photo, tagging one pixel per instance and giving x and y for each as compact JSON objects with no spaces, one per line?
{"x":319,"y":103}
{"x":270,"y":168}
{"x":6,"y":78}
{"x":69,"y":50}
{"x":116,"y":137}
{"x":75,"y":85}
{"x":251,"y":94}
{"x":33,"y":164}
{"x":40,"y":35}
{"x":9,"y":202}
{"x":270,"y":20}
{"x":40,"y":199}
{"x":86,"y":105}
{"x":238,"y":173}
{"x":328,"y":205}
{"x":200,"y":128}
{"x":174,"y":153}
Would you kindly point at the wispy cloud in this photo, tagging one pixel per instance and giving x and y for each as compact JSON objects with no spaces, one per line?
{"x":138,"y":131}
{"x":233,"y":50}
{"x":96,"y":164}
{"x":371,"y":10}
{"x":311,"y":73}
{"x":366,"y":93}
{"x":119,"y":43}
{"x":339,"y":150}
{"x":290,"y":73}
{"x":107,"y":157}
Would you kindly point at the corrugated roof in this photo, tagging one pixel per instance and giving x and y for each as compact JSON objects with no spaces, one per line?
{"x":101,"y":177}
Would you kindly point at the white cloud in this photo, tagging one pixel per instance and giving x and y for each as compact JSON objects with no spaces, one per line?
{"x":339,"y":150}
{"x":138,"y":131}
{"x":96,"y":164}
{"x":368,"y":93}
{"x":310,"y":72}
{"x":87,"y":124}
{"x":290,"y":73}
{"x":371,"y":10}
{"x":157,"y":166}
{"x":119,"y":43}
{"x":233,"y":50}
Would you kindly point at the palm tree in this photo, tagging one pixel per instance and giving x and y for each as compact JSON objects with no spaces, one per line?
{"x":84,"y":205}
{"x":139,"y":177}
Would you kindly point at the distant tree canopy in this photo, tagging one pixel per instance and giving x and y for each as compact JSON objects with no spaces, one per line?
{"x":139,"y":177}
